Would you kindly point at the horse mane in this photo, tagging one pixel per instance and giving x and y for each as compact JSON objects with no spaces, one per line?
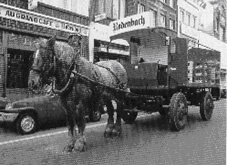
{"x":62,"y":50}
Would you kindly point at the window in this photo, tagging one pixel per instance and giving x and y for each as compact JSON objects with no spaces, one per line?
{"x":188,"y":17}
{"x":182,"y":15}
{"x":172,"y":3}
{"x":114,"y":9}
{"x":217,"y":24}
{"x":141,"y":8}
{"x":19,"y":63}
{"x":222,"y":34}
{"x":164,"y":1}
{"x":194,"y":22}
{"x":172,"y":24}
{"x":163,"y":21}
{"x":153,"y":17}
{"x":1,"y":36}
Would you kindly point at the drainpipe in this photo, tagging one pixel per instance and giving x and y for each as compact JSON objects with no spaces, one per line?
{"x":92,"y":5}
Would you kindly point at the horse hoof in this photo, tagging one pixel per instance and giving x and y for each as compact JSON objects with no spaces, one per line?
{"x":81,"y":147}
{"x":107,"y":134}
{"x":68,"y":148}
{"x":108,"y":131}
{"x":116,"y":132}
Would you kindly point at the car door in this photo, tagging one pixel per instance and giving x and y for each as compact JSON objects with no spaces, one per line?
{"x":55,"y":111}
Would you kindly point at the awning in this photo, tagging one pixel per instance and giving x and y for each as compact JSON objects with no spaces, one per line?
{"x":148,"y":33}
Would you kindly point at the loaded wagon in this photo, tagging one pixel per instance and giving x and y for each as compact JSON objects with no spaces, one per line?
{"x":166,"y":73}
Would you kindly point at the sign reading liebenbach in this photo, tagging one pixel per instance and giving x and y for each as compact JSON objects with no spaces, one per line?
{"x":134,"y":22}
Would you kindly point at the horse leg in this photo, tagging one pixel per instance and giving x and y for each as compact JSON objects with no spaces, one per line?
{"x":71,"y":128}
{"x":80,"y":144}
{"x":110,"y":121}
{"x":117,"y":126}
{"x":71,"y":133}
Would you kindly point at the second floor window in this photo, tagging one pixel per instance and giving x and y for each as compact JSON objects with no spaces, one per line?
{"x":153,"y":17}
{"x":140,"y":8}
{"x":194,"y":22}
{"x":172,"y":24}
{"x":163,"y":21}
{"x":114,"y":9}
{"x":172,"y":3}
{"x":182,"y":16}
{"x":222,"y":33}
{"x":188,"y":17}
{"x":164,"y":1}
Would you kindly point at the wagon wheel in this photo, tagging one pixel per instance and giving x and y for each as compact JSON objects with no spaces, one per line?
{"x":178,"y":111}
{"x":129,"y":116}
{"x":206,"y":106}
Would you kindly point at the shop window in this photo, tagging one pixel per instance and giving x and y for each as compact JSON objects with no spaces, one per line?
{"x":19,"y":63}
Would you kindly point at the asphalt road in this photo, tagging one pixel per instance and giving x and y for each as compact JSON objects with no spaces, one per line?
{"x":147,"y":141}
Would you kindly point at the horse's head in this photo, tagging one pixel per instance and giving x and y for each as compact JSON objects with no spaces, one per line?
{"x":43,"y":65}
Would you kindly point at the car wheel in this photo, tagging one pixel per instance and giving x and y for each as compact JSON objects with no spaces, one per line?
{"x":95,"y":116}
{"x":26,"y":123}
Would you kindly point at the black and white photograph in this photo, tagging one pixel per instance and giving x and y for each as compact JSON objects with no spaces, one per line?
{"x":113,"y":82}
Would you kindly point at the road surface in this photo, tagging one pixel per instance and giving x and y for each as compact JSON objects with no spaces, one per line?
{"x":146,"y":142}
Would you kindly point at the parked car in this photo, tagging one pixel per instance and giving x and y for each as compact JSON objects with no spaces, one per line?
{"x":28,"y":115}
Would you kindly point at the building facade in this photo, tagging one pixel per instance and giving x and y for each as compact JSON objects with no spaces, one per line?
{"x":161,"y":14}
{"x":213,"y":32}
{"x":19,"y":30}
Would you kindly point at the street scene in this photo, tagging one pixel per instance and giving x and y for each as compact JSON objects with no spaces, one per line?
{"x":147,"y":141}
{"x":113,"y":82}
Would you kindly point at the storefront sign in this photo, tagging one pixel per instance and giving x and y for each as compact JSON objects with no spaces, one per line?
{"x":139,"y":21}
{"x":41,"y":20}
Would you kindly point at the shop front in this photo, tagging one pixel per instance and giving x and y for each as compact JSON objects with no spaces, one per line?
{"x":106,"y":50}
{"x":19,"y":31}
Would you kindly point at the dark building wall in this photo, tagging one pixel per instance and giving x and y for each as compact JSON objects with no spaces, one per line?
{"x":17,"y":43}
{"x":159,"y":7}
{"x":17,"y":3}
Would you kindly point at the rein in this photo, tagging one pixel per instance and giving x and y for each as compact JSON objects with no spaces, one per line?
{"x":71,"y":76}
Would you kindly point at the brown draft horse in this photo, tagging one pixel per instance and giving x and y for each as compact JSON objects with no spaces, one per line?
{"x":56,"y":60}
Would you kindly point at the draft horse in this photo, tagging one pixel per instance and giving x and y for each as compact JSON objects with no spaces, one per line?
{"x":57,"y":61}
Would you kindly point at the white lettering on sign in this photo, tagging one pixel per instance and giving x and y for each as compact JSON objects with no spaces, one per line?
{"x":41,"y":20}
{"x":134,"y":22}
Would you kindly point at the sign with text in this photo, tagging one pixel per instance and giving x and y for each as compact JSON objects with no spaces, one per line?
{"x":21,"y":15}
{"x":130,"y":23}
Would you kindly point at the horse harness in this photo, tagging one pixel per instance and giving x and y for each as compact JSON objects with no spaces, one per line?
{"x":75,"y":75}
